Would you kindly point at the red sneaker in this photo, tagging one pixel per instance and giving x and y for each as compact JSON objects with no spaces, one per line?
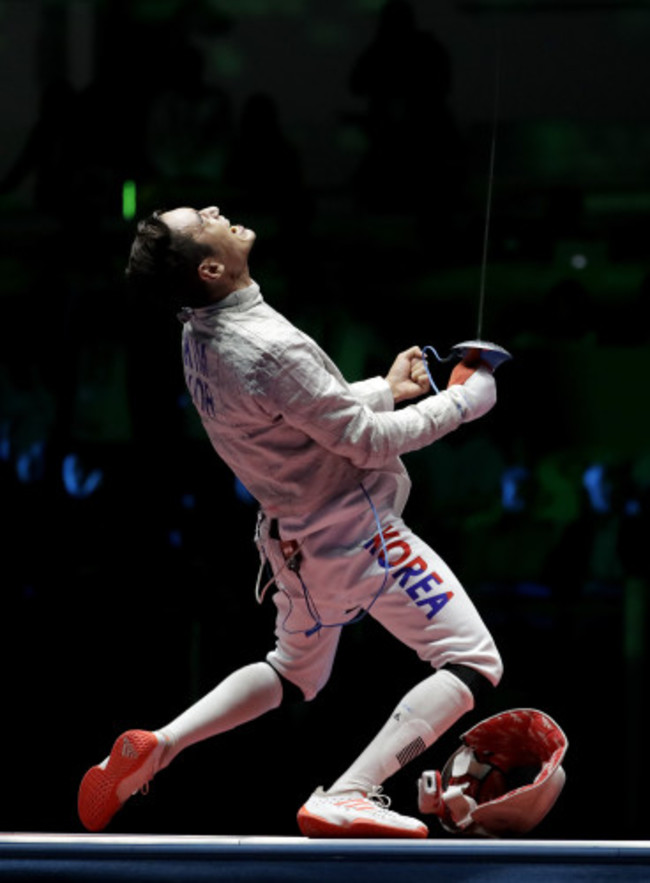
{"x":133,"y":762}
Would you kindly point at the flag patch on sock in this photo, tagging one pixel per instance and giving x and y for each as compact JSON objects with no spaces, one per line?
{"x":413,"y":749}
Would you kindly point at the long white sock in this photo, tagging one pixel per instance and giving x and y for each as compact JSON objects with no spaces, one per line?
{"x":423,"y":715}
{"x":244,"y":695}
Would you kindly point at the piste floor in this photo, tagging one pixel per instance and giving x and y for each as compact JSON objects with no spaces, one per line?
{"x":284,"y":860}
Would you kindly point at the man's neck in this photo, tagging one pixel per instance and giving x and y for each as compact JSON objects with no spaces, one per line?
{"x":219,"y":292}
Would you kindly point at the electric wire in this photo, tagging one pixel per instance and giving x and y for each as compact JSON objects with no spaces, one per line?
{"x":425,"y":352}
{"x":312,"y":609}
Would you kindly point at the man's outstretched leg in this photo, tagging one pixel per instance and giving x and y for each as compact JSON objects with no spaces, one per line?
{"x":354,"y":806}
{"x":138,"y":755}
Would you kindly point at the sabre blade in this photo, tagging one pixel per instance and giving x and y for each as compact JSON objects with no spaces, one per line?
{"x":490,"y":190}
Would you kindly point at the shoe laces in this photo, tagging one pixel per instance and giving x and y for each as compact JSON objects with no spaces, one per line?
{"x":155,"y":764}
{"x":144,"y":788}
{"x":376,"y":795}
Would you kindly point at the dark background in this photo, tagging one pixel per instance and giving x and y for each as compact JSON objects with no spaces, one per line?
{"x":359,"y":149}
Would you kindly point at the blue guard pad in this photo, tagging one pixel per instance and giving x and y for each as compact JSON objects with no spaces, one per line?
{"x":491,"y":353}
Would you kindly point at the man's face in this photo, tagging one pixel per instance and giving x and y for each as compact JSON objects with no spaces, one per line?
{"x":231,"y":243}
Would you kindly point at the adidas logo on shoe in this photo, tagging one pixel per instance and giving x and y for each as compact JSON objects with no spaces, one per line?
{"x":128,"y":749}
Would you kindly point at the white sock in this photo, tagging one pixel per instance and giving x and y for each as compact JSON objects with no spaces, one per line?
{"x":244,"y":695}
{"x":423,"y":715}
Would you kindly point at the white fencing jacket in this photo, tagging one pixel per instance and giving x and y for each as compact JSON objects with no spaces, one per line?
{"x":294,"y":431}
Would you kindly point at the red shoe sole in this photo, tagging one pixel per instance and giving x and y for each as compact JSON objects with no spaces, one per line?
{"x":97,"y":801}
{"x":313,"y":826}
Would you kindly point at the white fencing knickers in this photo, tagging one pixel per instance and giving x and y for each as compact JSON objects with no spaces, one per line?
{"x":342,"y":572}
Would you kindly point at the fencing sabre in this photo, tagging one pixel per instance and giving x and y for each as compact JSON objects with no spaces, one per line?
{"x":472,"y":351}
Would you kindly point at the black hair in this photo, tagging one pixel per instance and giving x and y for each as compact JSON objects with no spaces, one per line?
{"x":162,"y":265}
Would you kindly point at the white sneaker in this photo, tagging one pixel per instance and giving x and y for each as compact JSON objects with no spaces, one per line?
{"x":352,"y":814}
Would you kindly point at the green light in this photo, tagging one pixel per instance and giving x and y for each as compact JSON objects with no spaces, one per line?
{"x":129,"y":200}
